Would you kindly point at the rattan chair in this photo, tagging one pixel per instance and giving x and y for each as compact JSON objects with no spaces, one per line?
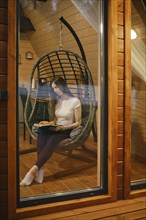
{"x":77,"y":75}
{"x":74,"y":70}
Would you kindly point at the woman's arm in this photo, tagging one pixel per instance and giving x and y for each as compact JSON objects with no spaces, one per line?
{"x":77,"y":115}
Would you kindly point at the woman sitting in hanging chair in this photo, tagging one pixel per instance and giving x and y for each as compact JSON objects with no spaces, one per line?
{"x":67,"y":117}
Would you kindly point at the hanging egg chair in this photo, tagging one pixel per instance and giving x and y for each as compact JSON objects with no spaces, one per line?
{"x":73,"y":68}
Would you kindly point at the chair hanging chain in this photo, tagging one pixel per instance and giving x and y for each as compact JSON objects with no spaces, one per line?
{"x":60,"y":37}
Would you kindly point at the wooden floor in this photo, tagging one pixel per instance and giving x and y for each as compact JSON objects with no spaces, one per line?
{"x":81,"y":180}
{"x":121,"y":210}
{"x":86,"y":178}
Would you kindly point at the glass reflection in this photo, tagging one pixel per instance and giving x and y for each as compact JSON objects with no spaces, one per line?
{"x":75,"y":164}
{"x":138,"y":93}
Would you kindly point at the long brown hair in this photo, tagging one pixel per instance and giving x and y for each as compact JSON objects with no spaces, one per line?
{"x":61,"y":83}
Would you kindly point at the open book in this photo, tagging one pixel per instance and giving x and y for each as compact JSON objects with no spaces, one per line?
{"x":45,"y":124}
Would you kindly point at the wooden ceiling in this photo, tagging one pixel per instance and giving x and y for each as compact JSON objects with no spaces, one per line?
{"x":138,"y":19}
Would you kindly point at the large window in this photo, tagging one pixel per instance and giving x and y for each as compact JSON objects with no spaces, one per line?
{"x":66,"y":39}
{"x":138,"y":91}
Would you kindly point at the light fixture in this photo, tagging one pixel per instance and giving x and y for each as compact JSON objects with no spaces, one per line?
{"x":133,"y":34}
{"x":29,"y":55}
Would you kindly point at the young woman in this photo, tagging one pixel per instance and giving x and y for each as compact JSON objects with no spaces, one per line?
{"x":67,"y":117}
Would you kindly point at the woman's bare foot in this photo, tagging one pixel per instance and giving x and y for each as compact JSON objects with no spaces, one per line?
{"x":40,"y":175}
{"x":29,"y":177}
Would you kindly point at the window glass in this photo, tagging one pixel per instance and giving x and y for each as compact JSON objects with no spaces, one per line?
{"x":138,"y":93}
{"x":66,"y":158}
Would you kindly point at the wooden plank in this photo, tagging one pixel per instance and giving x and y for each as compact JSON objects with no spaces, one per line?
{"x":120,"y":153}
{"x":3,"y":182}
{"x":120,"y":192}
{"x":112,"y":99}
{"x":3,"y":49}
{"x":120,"y":100}
{"x":4,"y":198}
{"x":3,"y":166}
{"x":3,"y":149}
{"x":120,"y":30}
{"x":3,"y":16}
{"x":121,"y":86}
{"x":120,"y":45}
{"x":4,"y":32}
{"x":120,"y":127}
{"x":120,"y":59}
{"x":120,"y":6}
{"x":109,"y":212}
{"x":120,"y":166}
{"x":3,"y":116}
{"x":92,"y":213}
{"x":120,"y":18}
{"x":121,"y":73}
{"x":11,"y":129}
{"x":96,"y":208}
{"x":120,"y":113}
{"x":4,"y":210}
{"x":129,"y":216}
{"x":3,"y":65}
{"x":3,"y":103}
{"x":120,"y":141}
{"x":3,"y":132}
{"x":3,"y":4}
{"x":3,"y":82}
{"x":120,"y":180}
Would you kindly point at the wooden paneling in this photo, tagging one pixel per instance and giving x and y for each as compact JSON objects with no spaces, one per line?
{"x":121,"y":72}
{"x":46,"y":37}
{"x":120,"y":141}
{"x":3,"y":82}
{"x":3,"y":65}
{"x":120,"y":18}
{"x":3,"y":49}
{"x":120,"y":100}
{"x":120,"y":154}
{"x":131,"y":209}
{"x":3,"y":31}
{"x":121,"y":75}
{"x":120,"y":82}
{"x":3,"y":112}
{"x":3,"y":149}
{"x":3,"y":15}
{"x":120,"y":59}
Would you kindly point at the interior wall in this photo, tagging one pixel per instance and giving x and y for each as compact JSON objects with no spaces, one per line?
{"x":25,"y":65}
{"x":47,"y":26}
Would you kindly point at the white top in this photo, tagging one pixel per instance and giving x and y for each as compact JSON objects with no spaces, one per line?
{"x":64,"y":110}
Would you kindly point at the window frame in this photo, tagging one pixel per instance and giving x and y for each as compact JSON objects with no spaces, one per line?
{"x":111,"y":195}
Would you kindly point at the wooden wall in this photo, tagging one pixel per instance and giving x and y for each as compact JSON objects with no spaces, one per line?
{"x":3,"y":104}
{"x":25,"y":65}
{"x":46,"y":37}
{"x":3,"y":111}
{"x":121,"y":89}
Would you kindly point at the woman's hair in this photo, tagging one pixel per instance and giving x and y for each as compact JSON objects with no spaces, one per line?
{"x":61,"y":83}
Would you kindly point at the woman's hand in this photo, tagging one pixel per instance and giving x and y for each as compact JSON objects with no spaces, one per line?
{"x":47,"y":122}
{"x":57,"y":128}
{"x":44,"y":122}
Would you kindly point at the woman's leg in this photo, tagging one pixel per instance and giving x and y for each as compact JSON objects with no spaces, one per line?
{"x":49,"y":148}
{"x":35,"y":172}
{"x":44,"y":153}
